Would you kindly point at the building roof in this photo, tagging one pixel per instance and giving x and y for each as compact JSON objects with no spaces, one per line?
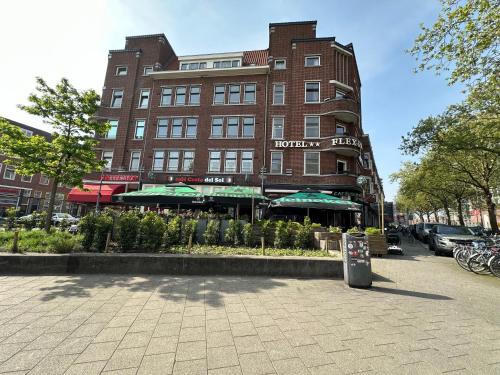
{"x":293,"y":23}
{"x":258,"y":57}
{"x":146,"y":36}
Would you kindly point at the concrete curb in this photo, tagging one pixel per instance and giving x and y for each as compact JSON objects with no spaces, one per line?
{"x":169,"y":264}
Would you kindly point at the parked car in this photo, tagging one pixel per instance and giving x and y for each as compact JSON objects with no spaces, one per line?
{"x":58,"y":217}
{"x":443,"y":238}
{"x":422,"y":230}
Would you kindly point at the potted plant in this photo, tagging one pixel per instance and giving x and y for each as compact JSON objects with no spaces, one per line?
{"x":377,"y":242}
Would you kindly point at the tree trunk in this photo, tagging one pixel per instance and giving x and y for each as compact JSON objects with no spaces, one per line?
{"x":436,"y":217}
{"x":448,"y":215}
{"x":421,"y":215}
{"x":50,"y":209}
{"x":491,"y":212}
{"x":460,"y":212}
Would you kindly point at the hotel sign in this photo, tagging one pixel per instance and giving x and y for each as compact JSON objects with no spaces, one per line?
{"x":295,"y":144}
{"x":347,"y":141}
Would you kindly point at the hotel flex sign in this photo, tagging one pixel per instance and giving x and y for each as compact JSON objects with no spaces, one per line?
{"x":336,"y":141}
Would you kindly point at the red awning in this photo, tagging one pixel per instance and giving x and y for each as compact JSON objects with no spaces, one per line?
{"x":90,"y":192}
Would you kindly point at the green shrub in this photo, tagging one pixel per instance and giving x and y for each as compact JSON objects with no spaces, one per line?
{"x":103,"y":225}
{"x":41,"y":242}
{"x":29,"y":223}
{"x":64,"y":225}
{"x":335,"y":229}
{"x":40,"y":218}
{"x":372,"y":230}
{"x":233,"y":233}
{"x":11,"y":217}
{"x":211,"y":235}
{"x":353,"y":230}
{"x":128,"y":230}
{"x":281,"y":235}
{"x":86,"y":227}
{"x":189,"y":230}
{"x":173,"y":231}
{"x":303,"y":238}
{"x":248,"y":235}
{"x":265,"y":230}
{"x":152,"y":230}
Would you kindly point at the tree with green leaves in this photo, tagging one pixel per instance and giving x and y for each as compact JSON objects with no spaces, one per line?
{"x":464,"y":41}
{"x":69,"y":154}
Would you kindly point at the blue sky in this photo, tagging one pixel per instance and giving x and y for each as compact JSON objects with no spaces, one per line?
{"x":71,"y":39}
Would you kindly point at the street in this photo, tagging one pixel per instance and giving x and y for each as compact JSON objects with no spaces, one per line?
{"x":423,"y":315}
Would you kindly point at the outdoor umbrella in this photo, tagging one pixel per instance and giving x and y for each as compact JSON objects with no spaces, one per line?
{"x":168,"y":194}
{"x":315,"y":199}
{"x":238,"y":195}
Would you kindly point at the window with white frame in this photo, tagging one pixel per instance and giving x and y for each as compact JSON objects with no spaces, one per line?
{"x":144,"y":98}
{"x":341,"y":166}
{"x":214,"y":162}
{"x":173,"y":161}
{"x":278,"y":127}
{"x":194,"y":95}
{"x":339,"y":93}
{"x":188,"y":161}
{"x":121,"y":71}
{"x":158,"y":159}
{"x":191,"y":127}
{"x":249,"y":93}
{"x":219,"y":94}
{"x":312,"y":92}
{"x":311,"y":127}
{"x":176,"y":129}
{"x":113,"y":128}
{"x":9,"y":172}
{"x":135,"y":161}
{"x":280,"y":64}
{"x":232,"y":129}
{"x":147,"y":69}
{"x":248,"y":127}
{"x":139,"y":129}
{"x":26,"y":178}
{"x":44,"y":179}
{"x":117,"y":98}
{"x":226,"y":64}
{"x":278,"y":93}
{"x":312,"y":61}
{"x":234,"y":94}
{"x":230,"y":161}
{"x":28,"y":132}
{"x":277,"y":162}
{"x":246,"y":162}
{"x":180,"y":95}
{"x":217,"y":123}
{"x":311,"y":162}
{"x":107,"y":157}
{"x":340,"y":129}
{"x":162,"y":128}
{"x":166,"y":96}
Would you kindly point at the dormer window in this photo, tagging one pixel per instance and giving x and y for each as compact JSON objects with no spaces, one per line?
{"x":224,"y":64}
{"x":193,"y":66}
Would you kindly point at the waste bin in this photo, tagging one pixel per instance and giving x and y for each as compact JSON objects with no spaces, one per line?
{"x":357,"y":261}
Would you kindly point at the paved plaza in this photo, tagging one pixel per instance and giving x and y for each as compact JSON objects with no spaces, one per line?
{"x":424,"y":315}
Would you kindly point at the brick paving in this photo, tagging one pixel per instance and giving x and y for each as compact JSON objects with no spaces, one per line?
{"x":424,"y":315}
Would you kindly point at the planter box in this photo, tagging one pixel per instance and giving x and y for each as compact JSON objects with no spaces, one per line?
{"x":377,"y":244}
{"x":334,"y":239}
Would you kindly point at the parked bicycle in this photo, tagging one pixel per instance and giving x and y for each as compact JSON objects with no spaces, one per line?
{"x":479,"y":257}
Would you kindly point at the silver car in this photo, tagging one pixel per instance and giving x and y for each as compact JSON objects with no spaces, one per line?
{"x":443,"y":238}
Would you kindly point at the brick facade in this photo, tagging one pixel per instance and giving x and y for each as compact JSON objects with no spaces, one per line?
{"x":339,"y":104}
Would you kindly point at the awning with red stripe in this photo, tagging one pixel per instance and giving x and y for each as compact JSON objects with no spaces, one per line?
{"x":90,"y":192}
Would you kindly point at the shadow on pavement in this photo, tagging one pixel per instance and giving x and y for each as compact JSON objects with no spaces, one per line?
{"x":210,"y":289}
{"x":377,"y":277}
{"x":409,"y":293}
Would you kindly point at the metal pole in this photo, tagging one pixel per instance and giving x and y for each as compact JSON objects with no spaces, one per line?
{"x":382,"y":212}
{"x":98,"y":200}
{"x":253,"y":209}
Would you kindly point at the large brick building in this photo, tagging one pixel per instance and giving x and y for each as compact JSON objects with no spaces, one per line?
{"x":281,"y":119}
{"x":27,"y":193}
